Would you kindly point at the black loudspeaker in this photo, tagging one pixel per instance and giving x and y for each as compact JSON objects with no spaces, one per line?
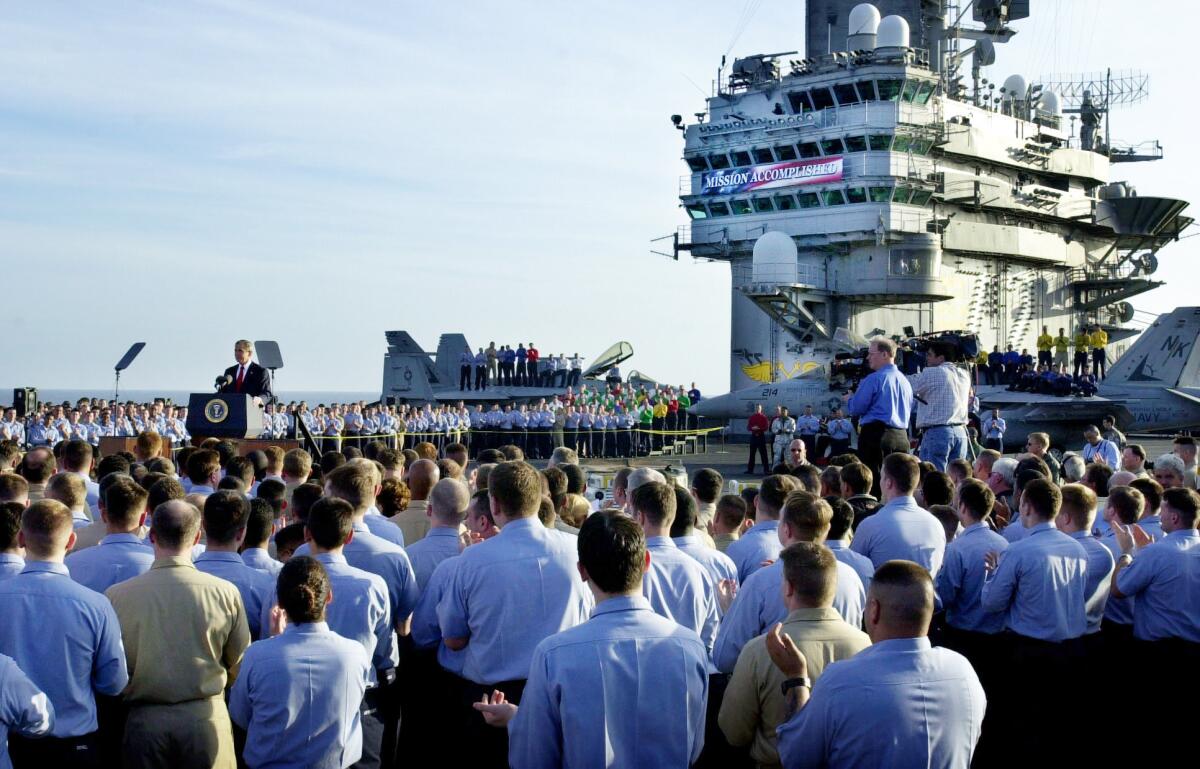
{"x":25,"y":400}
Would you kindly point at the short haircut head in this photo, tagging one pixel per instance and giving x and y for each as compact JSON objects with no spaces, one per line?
{"x":773,"y":491}
{"x":274,"y":457}
{"x":13,"y":488}
{"x":1151,"y":491}
{"x":904,"y":470}
{"x":937,"y":488}
{"x":353,"y":482}
{"x":842,"y":519}
{"x":77,"y":456}
{"x":904,"y":591}
{"x":731,"y":511}
{"x":517,"y":489}
{"x":857,"y":477}
{"x":330,"y":522}
{"x":612,"y":549}
{"x":149,"y":444}
{"x":225,"y":514}
{"x":113,"y":463}
{"x":811,"y":570}
{"x":274,"y":493}
{"x":330,"y":461}
{"x":807,"y":515}
{"x":422,"y":474}
{"x":655,"y":502}
{"x":302,"y":589}
{"x":450,"y":498}
{"x":69,"y":489}
{"x":164,"y":490}
{"x":175,"y":524}
{"x":643,"y":475}
{"x":1137,"y":450}
{"x":46,"y":526}
{"x":808,"y":476}
{"x":564,"y":456}
{"x":576,"y":478}
{"x":1185,"y":502}
{"x":1041,"y":440}
{"x":1006,"y":468}
{"x":259,"y":522}
{"x":288,"y":539}
{"x":10,"y":523}
{"x":241,"y":468}
{"x":707,"y":482}
{"x":303,"y":497}
{"x":1126,"y":503}
{"x":38,"y":465}
{"x":686,"y":513}
{"x":1043,"y":498}
{"x":1080,"y":503}
{"x":124,"y":503}
{"x":425,"y":450}
{"x":958,"y":469}
{"x":202,"y":464}
{"x":977,"y":498}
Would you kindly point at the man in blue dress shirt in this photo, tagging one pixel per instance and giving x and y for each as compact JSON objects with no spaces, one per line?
{"x":224,"y":524}
{"x":508,"y":594}
{"x":759,"y":603}
{"x":25,"y":710}
{"x":838,"y":542}
{"x":761,"y":542}
{"x":626,"y":688}
{"x":718,"y":566}
{"x":883,"y":405}
{"x":121,"y":554}
{"x":899,"y":702}
{"x":901,"y":529}
{"x":260,"y":525}
{"x":298,"y":694}
{"x":65,"y":637}
{"x":447,"y":507}
{"x":1039,"y":584}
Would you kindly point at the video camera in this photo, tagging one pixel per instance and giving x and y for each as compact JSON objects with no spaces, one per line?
{"x":958,"y":346}
{"x":848,"y":369}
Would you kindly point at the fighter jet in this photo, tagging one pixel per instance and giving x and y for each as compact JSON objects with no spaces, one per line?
{"x":412,"y":375}
{"x":1154,"y":387}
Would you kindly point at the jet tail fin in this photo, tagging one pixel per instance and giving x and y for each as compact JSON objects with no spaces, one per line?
{"x":1166,"y":353}
{"x":408,"y":372}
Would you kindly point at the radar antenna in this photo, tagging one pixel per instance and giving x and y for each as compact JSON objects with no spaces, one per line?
{"x":1092,"y":96}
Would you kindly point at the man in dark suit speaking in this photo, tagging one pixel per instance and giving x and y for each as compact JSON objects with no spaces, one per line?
{"x":246,"y":377}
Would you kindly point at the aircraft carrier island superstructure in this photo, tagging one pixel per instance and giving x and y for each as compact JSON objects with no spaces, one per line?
{"x":881,"y":184}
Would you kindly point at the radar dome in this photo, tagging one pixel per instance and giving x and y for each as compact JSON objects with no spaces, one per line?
{"x":775,"y":259}
{"x":864,"y":23}
{"x":1015,"y":87}
{"x":1051,"y":103}
{"x":893,"y":32}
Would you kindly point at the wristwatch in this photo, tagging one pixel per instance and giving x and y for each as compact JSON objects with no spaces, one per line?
{"x":792,"y":683}
{"x":1126,"y":557}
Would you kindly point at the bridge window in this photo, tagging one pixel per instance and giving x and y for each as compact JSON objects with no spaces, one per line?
{"x":902,"y":143}
{"x":821,"y":98}
{"x":697,"y":163}
{"x":902,"y":194}
{"x":889,"y":90}
{"x":880,"y":194}
{"x":785,"y":203}
{"x":785,"y":152}
{"x":846,"y":94}
{"x":718,"y":161}
{"x":697,"y":211}
{"x":740,"y":157}
{"x":808,"y":200}
{"x":925,"y":92}
{"x":834,"y":198}
{"x":718,"y":209}
{"x":920,"y":197}
{"x":856,"y":144}
{"x":856,"y":195}
{"x":809,"y":150}
{"x":799,"y":101}
{"x":832,"y":146}
{"x":867,"y":89}
{"x":740,"y":207}
{"x":880,"y":142}
{"x":763,"y":205}
{"x":763,"y":155}
{"x":922,"y":146}
{"x":910,"y":90}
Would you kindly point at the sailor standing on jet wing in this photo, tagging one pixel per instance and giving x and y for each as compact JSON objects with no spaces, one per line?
{"x":783,"y":427}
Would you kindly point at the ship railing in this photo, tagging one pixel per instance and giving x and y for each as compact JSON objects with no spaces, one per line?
{"x":1101,"y":272}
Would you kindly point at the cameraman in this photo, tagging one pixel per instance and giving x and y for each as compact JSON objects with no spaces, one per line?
{"x":883,"y":405}
{"x":944,"y":392}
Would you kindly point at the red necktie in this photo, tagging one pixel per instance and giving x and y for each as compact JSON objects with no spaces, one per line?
{"x":241,"y":376}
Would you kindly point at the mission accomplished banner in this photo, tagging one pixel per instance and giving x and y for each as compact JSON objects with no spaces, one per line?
{"x":772,"y":175}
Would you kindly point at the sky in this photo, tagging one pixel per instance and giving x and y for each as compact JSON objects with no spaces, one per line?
{"x":190,"y":173}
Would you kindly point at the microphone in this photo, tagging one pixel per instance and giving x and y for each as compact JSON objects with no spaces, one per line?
{"x":222,"y":381}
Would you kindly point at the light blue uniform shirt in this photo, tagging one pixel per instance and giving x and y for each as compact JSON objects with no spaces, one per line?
{"x":359,"y":610}
{"x":627,"y":688}
{"x":258,"y":558}
{"x":808,"y":424}
{"x":1014,"y":531}
{"x":898,"y":703}
{"x":1164,"y":580}
{"x":860,"y":563}
{"x":960,"y":581}
{"x":1099,"y":578}
{"x":901,"y":530}
{"x":1152,"y":525}
{"x":378,"y":556}
{"x":298,"y":697}
{"x":1040,"y":585}
{"x":718,"y":565}
{"x":254,"y":586}
{"x":508,"y":594}
{"x":759,"y":604}
{"x":426,"y":633}
{"x":117,"y":558}
{"x":24,"y":709}
{"x":438,"y":544}
{"x":66,"y":638}
{"x":759,"y":543}
{"x":1118,"y":610}
{"x":383,"y":528}
{"x":884,"y":396}
{"x":1104,"y":449}
{"x":10,"y":565}
{"x":679,"y":589}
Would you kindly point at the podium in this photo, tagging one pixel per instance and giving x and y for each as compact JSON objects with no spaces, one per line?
{"x":224,"y":415}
